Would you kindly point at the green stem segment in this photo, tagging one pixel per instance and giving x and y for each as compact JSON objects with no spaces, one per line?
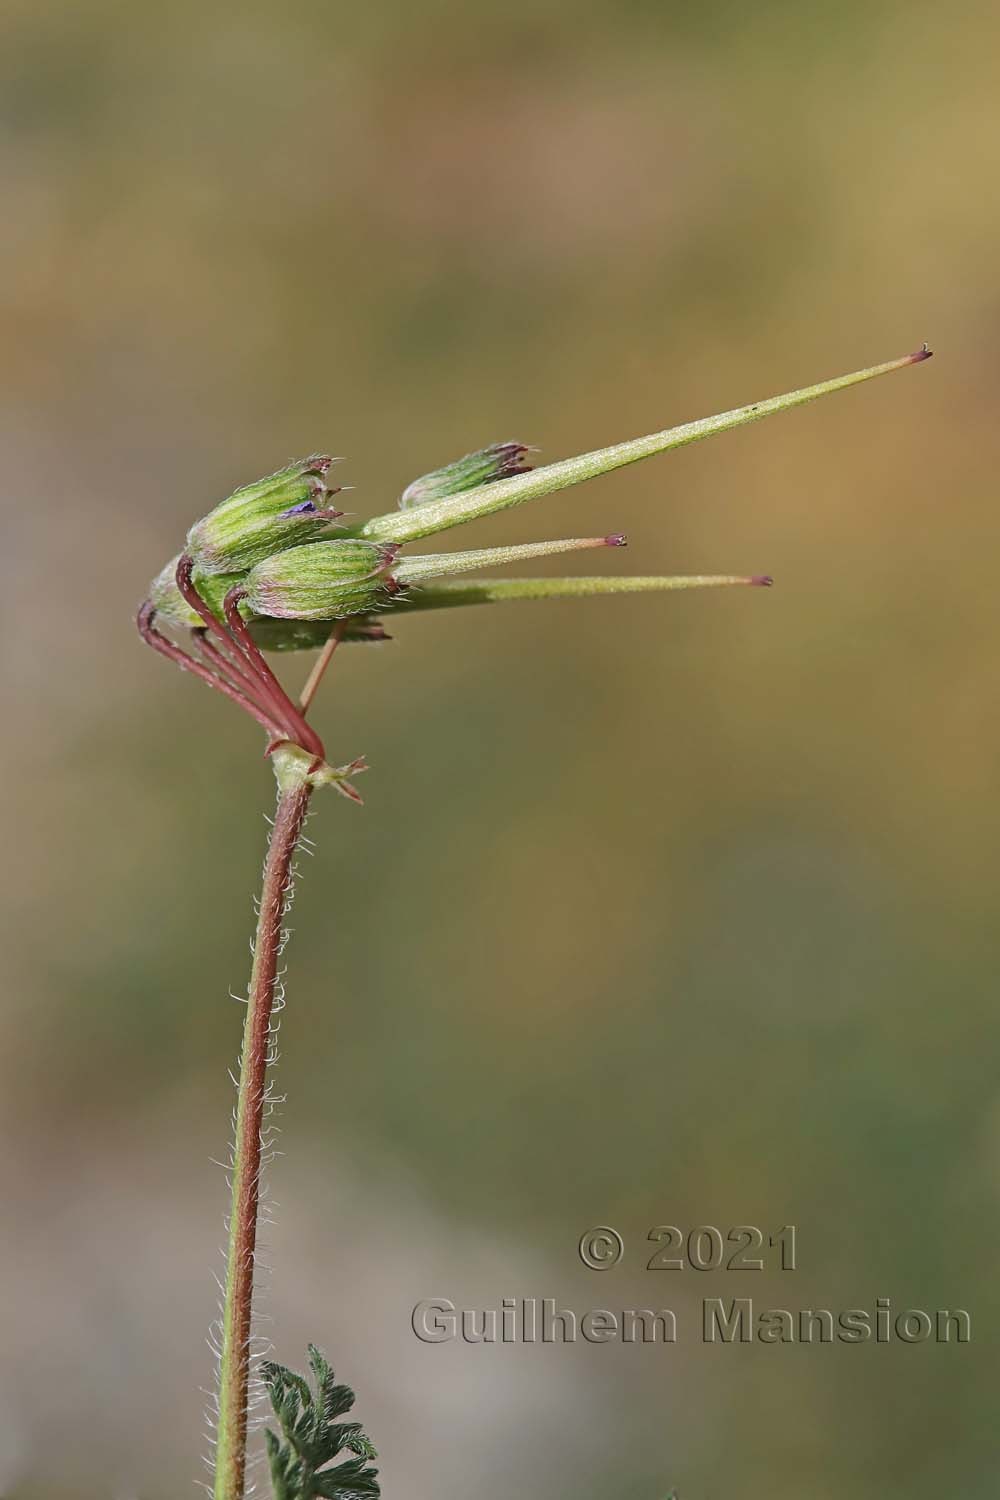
{"x":439,"y":515}
{"x":294,"y":791}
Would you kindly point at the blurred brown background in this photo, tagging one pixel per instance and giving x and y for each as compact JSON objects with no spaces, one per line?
{"x":667,"y":910}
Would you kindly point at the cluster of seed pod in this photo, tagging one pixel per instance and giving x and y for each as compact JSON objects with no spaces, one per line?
{"x":275,"y":568}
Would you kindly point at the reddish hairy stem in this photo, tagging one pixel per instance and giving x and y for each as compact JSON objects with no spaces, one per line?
{"x":234,"y":1368}
{"x":268,"y":688}
{"x":238,"y":675}
{"x":174,"y":653}
{"x":240,"y":669}
{"x":240,"y":672}
{"x":296,"y":727}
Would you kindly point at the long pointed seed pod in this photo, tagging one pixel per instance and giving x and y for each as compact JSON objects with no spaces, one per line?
{"x":438,"y":565}
{"x":454,"y":592}
{"x":439,"y":515}
{"x":331,"y":580}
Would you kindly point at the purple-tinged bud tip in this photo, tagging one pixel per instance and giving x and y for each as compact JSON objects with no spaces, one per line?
{"x":310,"y":508}
{"x":761,"y":581}
{"x":617,"y":539}
{"x":485,"y":466}
{"x":924,"y":352}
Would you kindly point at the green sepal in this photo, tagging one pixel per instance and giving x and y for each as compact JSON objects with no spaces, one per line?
{"x":174,"y":609}
{"x":283,"y":510}
{"x":321,"y":581}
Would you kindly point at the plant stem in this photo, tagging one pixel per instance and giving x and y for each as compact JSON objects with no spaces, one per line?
{"x":320,"y":665}
{"x":294,"y":791}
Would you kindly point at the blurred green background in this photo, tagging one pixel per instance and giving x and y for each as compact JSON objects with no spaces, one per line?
{"x":665,"y":910}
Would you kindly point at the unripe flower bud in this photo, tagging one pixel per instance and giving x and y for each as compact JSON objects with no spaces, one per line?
{"x":322,"y":581}
{"x":283,"y":510}
{"x":500,"y":461}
